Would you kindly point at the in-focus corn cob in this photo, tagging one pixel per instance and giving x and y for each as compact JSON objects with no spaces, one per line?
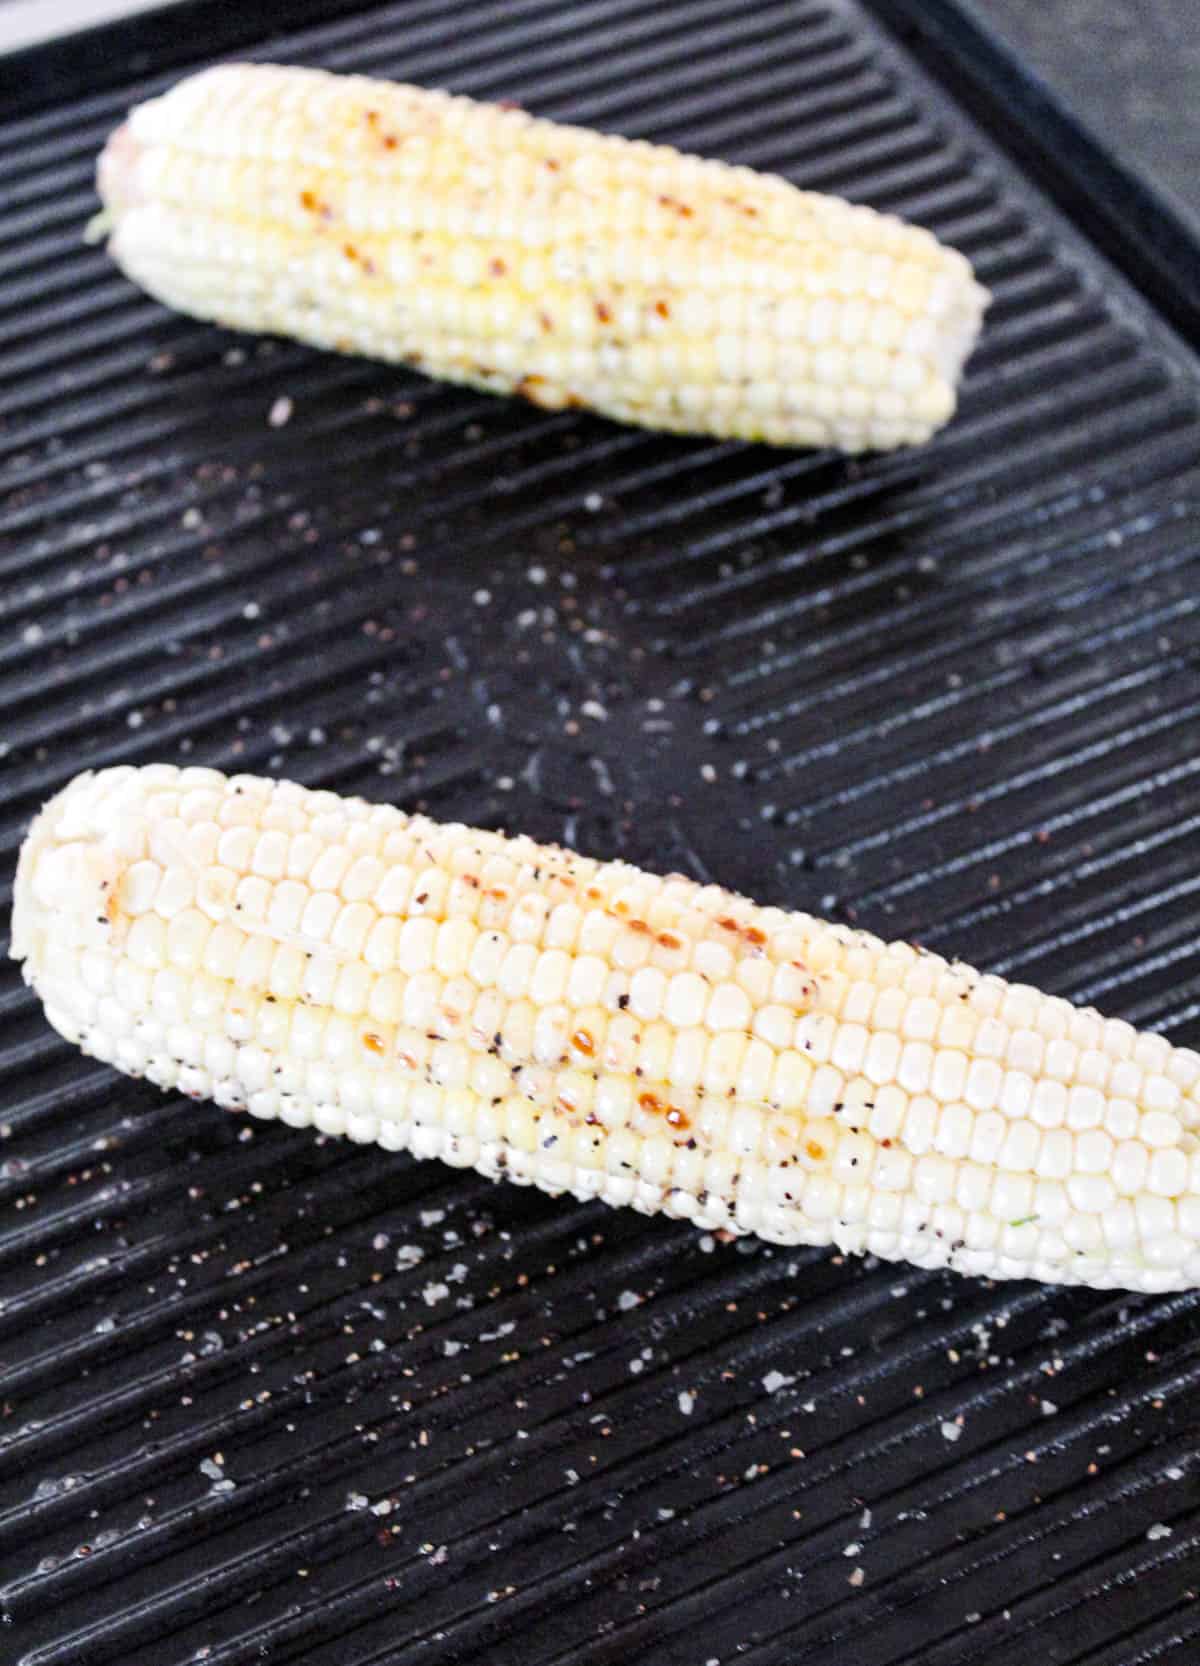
{"x":590,"y":1028}
{"x":517,"y":255}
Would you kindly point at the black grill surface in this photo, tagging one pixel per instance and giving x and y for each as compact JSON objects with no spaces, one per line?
{"x":265,"y":1396}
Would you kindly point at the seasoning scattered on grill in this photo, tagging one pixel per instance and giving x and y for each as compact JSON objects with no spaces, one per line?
{"x":487,"y":247}
{"x":587,"y":1027}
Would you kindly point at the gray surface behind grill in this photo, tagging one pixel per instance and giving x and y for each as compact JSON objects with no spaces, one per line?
{"x":950,"y":694}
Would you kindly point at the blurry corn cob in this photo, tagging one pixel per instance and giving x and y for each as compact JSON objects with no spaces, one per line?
{"x":517,"y":255}
{"x":589,"y":1028}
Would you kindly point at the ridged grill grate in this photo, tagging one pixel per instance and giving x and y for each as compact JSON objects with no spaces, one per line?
{"x":271,"y":1397}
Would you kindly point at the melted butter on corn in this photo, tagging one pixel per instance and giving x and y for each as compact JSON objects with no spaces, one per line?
{"x":587,"y":1027}
{"x":518,"y":255}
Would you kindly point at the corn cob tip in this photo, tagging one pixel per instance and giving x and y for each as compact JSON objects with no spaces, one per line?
{"x":590,"y":1028}
{"x":116,"y":172}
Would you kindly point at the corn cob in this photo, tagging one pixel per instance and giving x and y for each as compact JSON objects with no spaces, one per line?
{"x":518,"y":255}
{"x":586,"y":1027}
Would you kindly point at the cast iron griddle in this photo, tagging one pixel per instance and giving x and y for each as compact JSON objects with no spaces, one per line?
{"x":269,"y":1397}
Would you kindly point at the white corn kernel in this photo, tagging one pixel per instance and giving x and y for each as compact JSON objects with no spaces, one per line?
{"x":1159,"y":1128}
{"x":686,"y":997}
{"x":729,"y":1008}
{"x":139,"y":887}
{"x":1168,"y":1174}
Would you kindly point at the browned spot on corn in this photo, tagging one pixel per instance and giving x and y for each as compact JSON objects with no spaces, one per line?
{"x":603,"y":312}
{"x":663,"y":309}
{"x":669,"y":940}
{"x":496,"y":267}
{"x":654,"y":1106}
{"x":584,"y":1042}
{"x":373,"y":1043}
{"x":814,"y":1150}
{"x":751,"y":934}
